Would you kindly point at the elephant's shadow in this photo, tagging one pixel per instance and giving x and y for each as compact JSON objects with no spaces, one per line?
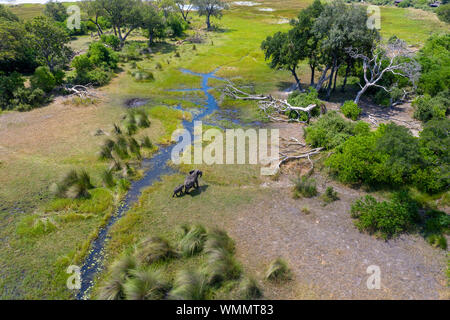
{"x":196,"y":192}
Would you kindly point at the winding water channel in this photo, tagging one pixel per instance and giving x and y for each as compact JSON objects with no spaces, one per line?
{"x":154,"y":167}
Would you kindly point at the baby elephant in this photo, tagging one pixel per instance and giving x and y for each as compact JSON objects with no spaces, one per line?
{"x":178,"y":191}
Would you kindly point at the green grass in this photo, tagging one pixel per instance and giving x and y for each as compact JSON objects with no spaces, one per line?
{"x":34,"y":260}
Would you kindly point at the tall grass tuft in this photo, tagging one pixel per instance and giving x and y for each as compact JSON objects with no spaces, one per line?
{"x":108,"y":178}
{"x":219,"y":239}
{"x":117,"y":129}
{"x":121,"y":148}
{"x":146,"y":143}
{"x":120,"y":271}
{"x":249,"y":289}
{"x":189,"y":285}
{"x":154,"y":249}
{"x":305,"y":187}
{"x":106,"y":150}
{"x":278,"y":270}
{"x":193,"y":241}
{"x":222,"y":266}
{"x":134,"y":147}
{"x":146,"y":284}
{"x":74,"y":185}
{"x":141,"y":118}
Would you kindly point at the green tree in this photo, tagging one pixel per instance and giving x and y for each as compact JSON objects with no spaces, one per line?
{"x":124,"y":15}
{"x":283,"y":54}
{"x":153,"y":23}
{"x":56,"y":11}
{"x":49,"y":42}
{"x":210,"y":8}
{"x":304,"y":39}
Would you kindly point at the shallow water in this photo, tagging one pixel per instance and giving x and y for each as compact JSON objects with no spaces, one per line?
{"x":154,"y":167}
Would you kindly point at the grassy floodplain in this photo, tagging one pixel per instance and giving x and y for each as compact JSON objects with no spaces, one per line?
{"x":41,"y":236}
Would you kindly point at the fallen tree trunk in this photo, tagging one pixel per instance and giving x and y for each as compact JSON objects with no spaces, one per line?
{"x":272,"y":107}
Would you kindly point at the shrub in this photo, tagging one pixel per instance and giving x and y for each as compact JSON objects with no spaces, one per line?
{"x":331,"y":130}
{"x":278,"y":271}
{"x":350,"y":110}
{"x":443,"y":12}
{"x":427,"y":108}
{"x":304,"y":186}
{"x":249,"y":289}
{"x":304,"y":100}
{"x":131,"y":52}
{"x":330,"y":195}
{"x":438,"y":241}
{"x":189,"y":285}
{"x":35,"y":226}
{"x":145,"y":284}
{"x":386,"y":218}
{"x":111,"y":40}
{"x":193,"y":241}
{"x":154,"y":249}
{"x":43,"y":79}
{"x":142,"y":75}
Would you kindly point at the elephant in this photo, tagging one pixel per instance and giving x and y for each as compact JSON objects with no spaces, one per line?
{"x":178,"y":191}
{"x":192,"y":180}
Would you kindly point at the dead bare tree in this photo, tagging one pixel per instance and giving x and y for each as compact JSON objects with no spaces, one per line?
{"x":399,"y":61}
{"x":275,"y":109}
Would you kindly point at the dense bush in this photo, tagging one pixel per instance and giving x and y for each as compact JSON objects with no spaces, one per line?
{"x":443,"y":12}
{"x":392,"y":156}
{"x":331,"y":130}
{"x":427,"y":107}
{"x":434,"y":58}
{"x":350,"y":110}
{"x":111,"y":40}
{"x":15,"y":96}
{"x":43,"y":79}
{"x":386,"y":218}
{"x":96,"y":66}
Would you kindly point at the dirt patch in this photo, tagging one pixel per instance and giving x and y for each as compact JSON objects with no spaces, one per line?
{"x":326,"y":251}
{"x":401,"y":114}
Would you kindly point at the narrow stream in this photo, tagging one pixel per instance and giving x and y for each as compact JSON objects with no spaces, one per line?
{"x":154,"y":167}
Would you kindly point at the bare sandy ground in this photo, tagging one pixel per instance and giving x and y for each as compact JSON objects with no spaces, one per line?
{"x":328,"y":255}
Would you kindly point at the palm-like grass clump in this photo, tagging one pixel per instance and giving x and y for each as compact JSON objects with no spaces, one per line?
{"x":249,"y":289}
{"x":120,"y":272}
{"x":145,"y":284}
{"x":74,"y":185}
{"x":189,"y":285}
{"x":193,"y":240}
{"x":154,"y":249}
{"x":278,"y":270}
